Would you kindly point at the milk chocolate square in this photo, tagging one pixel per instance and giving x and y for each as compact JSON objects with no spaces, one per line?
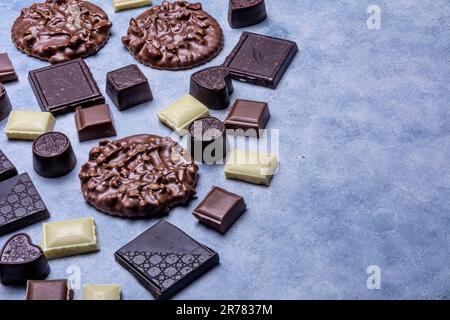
{"x":49,"y":290}
{"x":7,"y":72}
{"x":7,"y":169}
{"x":94,"y":123}
{"x":247,"y":117}
{"x":220,"y":209}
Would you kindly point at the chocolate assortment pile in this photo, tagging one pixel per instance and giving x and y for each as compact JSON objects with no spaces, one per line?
{"x":139,"y":176}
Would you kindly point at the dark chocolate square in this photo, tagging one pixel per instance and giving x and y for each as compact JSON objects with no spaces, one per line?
{"x":249,"y":116}
{"x":128,"y":87}
{"x":7,"y":169}
{"x":7,"y":72}
{"x":220,"y":209}
{"x":260,"y":59}
{"x":164,"y":259}
{"x":62,"y":87}
{"x":49,"y":290}
{"x":94,"y":123}
{"x":20,"y":204}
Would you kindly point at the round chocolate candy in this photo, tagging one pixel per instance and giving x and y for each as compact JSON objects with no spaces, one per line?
{"x":53,"y":156}
{"x":207,"y":141}
{"x":5,"y":104}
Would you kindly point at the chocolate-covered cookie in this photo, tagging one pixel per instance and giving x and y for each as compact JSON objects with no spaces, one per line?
{"x":61,"y":30}
{"x":138,"y":176}
{"x":174,"y":36}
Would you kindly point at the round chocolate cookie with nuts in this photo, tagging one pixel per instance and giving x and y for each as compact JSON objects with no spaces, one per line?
{"x":174,"y":36}
{"x":138,"y":176}
{"x":61,"y":30}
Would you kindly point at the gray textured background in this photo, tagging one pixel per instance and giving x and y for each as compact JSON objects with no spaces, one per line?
{"x":364,"y":129}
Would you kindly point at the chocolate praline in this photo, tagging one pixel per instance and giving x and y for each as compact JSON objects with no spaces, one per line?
{"x":245,"y":13}
{"x":53,"y":156}
{"x":5,"y":104}
{"x":207,"y":140}
{"x":212,"y":87}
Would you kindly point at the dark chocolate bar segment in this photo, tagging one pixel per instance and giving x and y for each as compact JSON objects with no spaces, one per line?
{"x":128,"y":87}
{"x":20,"y":204}
{"x":220,"y":209}
{"x":260,"y":59}
{"x":165,"y":260}
{"x":7,"y":169}
{"x":7,"y":72}
{"x":62,"y":87}
{"x":5,"y":103}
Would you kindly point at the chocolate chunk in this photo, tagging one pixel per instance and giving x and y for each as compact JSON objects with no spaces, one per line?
{"x":207,"y":143}
{"x":247,"y":118}
{"x":94,"y":123}
{"x":7,"y":169}
{"x":20,"y":204}
{"x":53,"y":156}
{"x":128,"y":87}
{"x":245,"y":13}
{"x":21,"y":260}
{"x":174,"y":36}
{"x":220,"y":209}
{"x":62,"y":87}
{"x":212,"y":87}
{"x":5,"y":104}
{"x":138,"y":176}
{"x":49,"y":290}
{"x":165,"y":260}
{"x":260,"y":59}
{"x":61,"y":30}
{"x":7,"y":72}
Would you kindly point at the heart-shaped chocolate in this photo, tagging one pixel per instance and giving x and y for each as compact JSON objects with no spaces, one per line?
{"x":212,"y":87}
{"x":21,"y":260}
{"x":244,"y":13}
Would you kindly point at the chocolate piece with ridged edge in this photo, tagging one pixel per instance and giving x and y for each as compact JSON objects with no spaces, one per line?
{"x":164,"y":259}
{"x":7,"y":169}
{"x":21,"y":260}
{"x":138,"y":176}
{"x":174,"y":36}
{"x":61,"y":30}
{"x":212,"y":87}
{"x":20,"y":204}
{"x":207,"y":140}
{"x":260,"y":59}
{"x":245,"y":13}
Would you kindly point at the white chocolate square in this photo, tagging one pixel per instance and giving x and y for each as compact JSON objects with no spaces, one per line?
{"x":28,"y":125}
{"x":120,"y":5}
{"x":252,"y":167}
{"x":101,"y":292}
{"x":69,"y":237}
{"x":180,"y":114}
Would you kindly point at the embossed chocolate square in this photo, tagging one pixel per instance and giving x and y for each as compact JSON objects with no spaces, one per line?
{"x":164,"y":259}
{"x":260,"y":59}
{"x":62,"y":87}
{"x":247,"y":118}
{"x":7,"y":169}
{"x":220,"y":209}
{"x":20,"y":203}
{"x":128,"y":87}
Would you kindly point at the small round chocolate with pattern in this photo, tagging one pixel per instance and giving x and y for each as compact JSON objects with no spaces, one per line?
{"x":207,"y":140}
{"x":61,"y":30}
{"x":174,"y":36}
{"x":138,"y":176}
{"x":53,"y":156}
